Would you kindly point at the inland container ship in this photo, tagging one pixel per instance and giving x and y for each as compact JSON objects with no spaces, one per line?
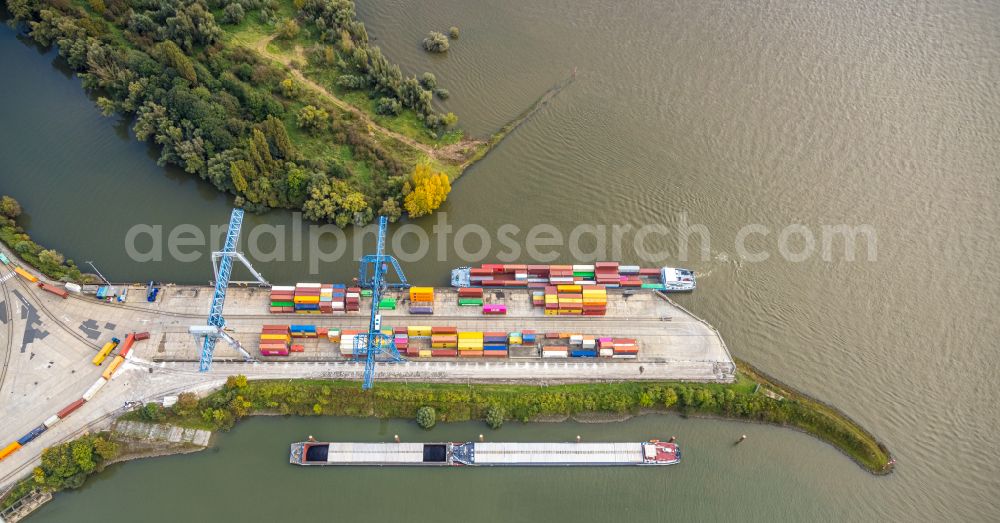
{"x":608,"y":274}
{"x":478,"y":454}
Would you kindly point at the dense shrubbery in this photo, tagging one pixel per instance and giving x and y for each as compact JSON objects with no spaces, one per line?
{"x":68,"y":465}
{"x":426,"y":417}
{"x":436,"y":42}
{"x":425,"y":191}
{"x":222,"y":113}
{"x":494,"y":403}
{"x":51,"y":263}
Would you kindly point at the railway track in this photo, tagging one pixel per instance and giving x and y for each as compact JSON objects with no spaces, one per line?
{"x":10,"y":327}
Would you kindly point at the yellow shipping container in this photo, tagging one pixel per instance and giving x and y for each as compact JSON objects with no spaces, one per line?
{"x":306,"y":299}
{"x":569,"y":288}
{"x":470,"y":335}
{"x":425,"y":354}
{"x":113,"y":367}
{"x":26,"y":275}
{"x":275,"y":337}
{"x":418,"y":330}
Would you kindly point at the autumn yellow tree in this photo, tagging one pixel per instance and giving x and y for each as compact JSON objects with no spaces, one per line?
{"x":428,"y":190}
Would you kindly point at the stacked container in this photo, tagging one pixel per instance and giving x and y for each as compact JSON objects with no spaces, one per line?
{"x":303,"y":331}
{"x":495,"y":344}
{"x":307,"y":298}
{"x":582,"y":346}
{"x":606,"y":273}
{"x":282,"y":299}
{"x":555,"y":351}
{"x":595,"y":300}
{"x":421,"y":300}
{"x":470,"y":344}
{"x":387,"y":303}
{"x":470,"y":296}
{"x":347,"y":338}
{"x":536,"y":276}
{"x":274,"y":340}
{"x":353,"y":299}
{"x":338,"y":296}
{"x":326,"y":298}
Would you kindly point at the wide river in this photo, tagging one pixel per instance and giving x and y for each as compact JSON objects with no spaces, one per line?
{"x":785,"y":117}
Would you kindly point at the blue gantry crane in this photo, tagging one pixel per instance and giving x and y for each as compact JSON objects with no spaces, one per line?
{"x":375,"y":343}
{"x":222,"y":265}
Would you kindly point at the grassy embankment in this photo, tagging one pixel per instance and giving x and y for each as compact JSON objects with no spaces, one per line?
{"x":405,"y":134}
{"x":753,"y":397}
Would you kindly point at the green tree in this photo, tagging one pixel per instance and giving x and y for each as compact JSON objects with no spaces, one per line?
{"x":51,"y":258}
{"x":426,"y":417}
{"x":388,"y":106}
{"x":178,"y":60}
{"x":9,"y":207}
{"x":453,"y":32}
{"x":187,"y":403}
{"x":428,"y":81}
{"x":288,"y":29}
{"x":312,"y":119}
{"x":669,"y":397}
{"x":442,"y":93}
{"x":98,"y":6}
{"x":449,"y":120}
{"x":233,"y":13}
{"x":289,"y":88}
{"x":436,"y":42}
{"x":236,"y":382}
{"x":494,"y":416}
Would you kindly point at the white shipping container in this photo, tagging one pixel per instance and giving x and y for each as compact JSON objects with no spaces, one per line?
{"x":624,"y":356}
{"x":585,"y":282}
{"x":89,"y":395}
{"x":583,"y":268}
{"x":309,"y":285}
{"x":555,"y":354}
{"x":72,"y":287}
{"x":51,"y":421}
{"x":283,"y":288}
{"x":628,"y":269}
{"x":606,"y":353}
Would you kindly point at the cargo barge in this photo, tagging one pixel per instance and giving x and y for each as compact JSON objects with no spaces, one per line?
{"x":608,"y":274}
{"x":473,"y":454}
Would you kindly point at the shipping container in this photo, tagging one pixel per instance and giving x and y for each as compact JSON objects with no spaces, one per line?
{"x":127,"y":344}
{"x":30,"y":436}
{"x":139,"y":336}
{"x":52,"y":420}
{"x":26,"y":275}
{"x":105,"y":350}
{"x":9,"y":449}
{"x":68,"y":409}
{"x":89,"y":395}
{"x":108,"y":372}
{"x":58,"y":291}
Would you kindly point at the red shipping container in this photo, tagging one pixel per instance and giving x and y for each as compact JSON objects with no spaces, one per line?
{"x":444,"y":330}
{"x":68,"y":409}
{"x":444,"y":353}
{"x":139,"y":336}
{"x":297,"y":348}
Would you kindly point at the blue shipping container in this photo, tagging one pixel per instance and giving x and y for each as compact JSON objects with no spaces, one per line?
{"x":37,"y":431}
{"x":583,"y":354}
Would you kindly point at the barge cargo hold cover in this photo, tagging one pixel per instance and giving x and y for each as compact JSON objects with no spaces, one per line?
{"x":652,"y":452}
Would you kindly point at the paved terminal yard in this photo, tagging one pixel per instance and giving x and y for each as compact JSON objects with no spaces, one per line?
{"x":48,"y":343}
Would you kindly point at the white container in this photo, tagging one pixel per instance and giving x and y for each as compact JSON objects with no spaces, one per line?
{"x":283,"y":288}
{"x":51,"y":421}
{"x":555,"y":354}
{"x":606,"y":353}
{"x":89,"y":395}
{"x":72,"y":287}
{"x":628,"y":269}
{"x":624,"y":356}
{"x":309,"y":285}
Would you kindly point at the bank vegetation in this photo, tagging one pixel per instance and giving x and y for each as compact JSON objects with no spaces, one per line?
{"x":753,"y":398}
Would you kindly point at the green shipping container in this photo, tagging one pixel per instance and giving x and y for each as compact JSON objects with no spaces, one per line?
{"x":470,"y":301}
{"x":654,"y":286}
{"x":367,"y":293}
{"x":282,"y":304}
{"x":387,"y":303}
{"x":582,"y":274}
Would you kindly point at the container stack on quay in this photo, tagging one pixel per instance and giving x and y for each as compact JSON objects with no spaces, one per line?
{"x":353,"y":300}
{"x":470,"y":344}
{"x":572,"y":299}
{"x":495,"y":344}
{"x":421,"y":300}
{"x":565,"y":345}
{"x":282,"y":299}
{"x":470,"y":297}
{"x":610,"y":274}
{"x":275,"y":340}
